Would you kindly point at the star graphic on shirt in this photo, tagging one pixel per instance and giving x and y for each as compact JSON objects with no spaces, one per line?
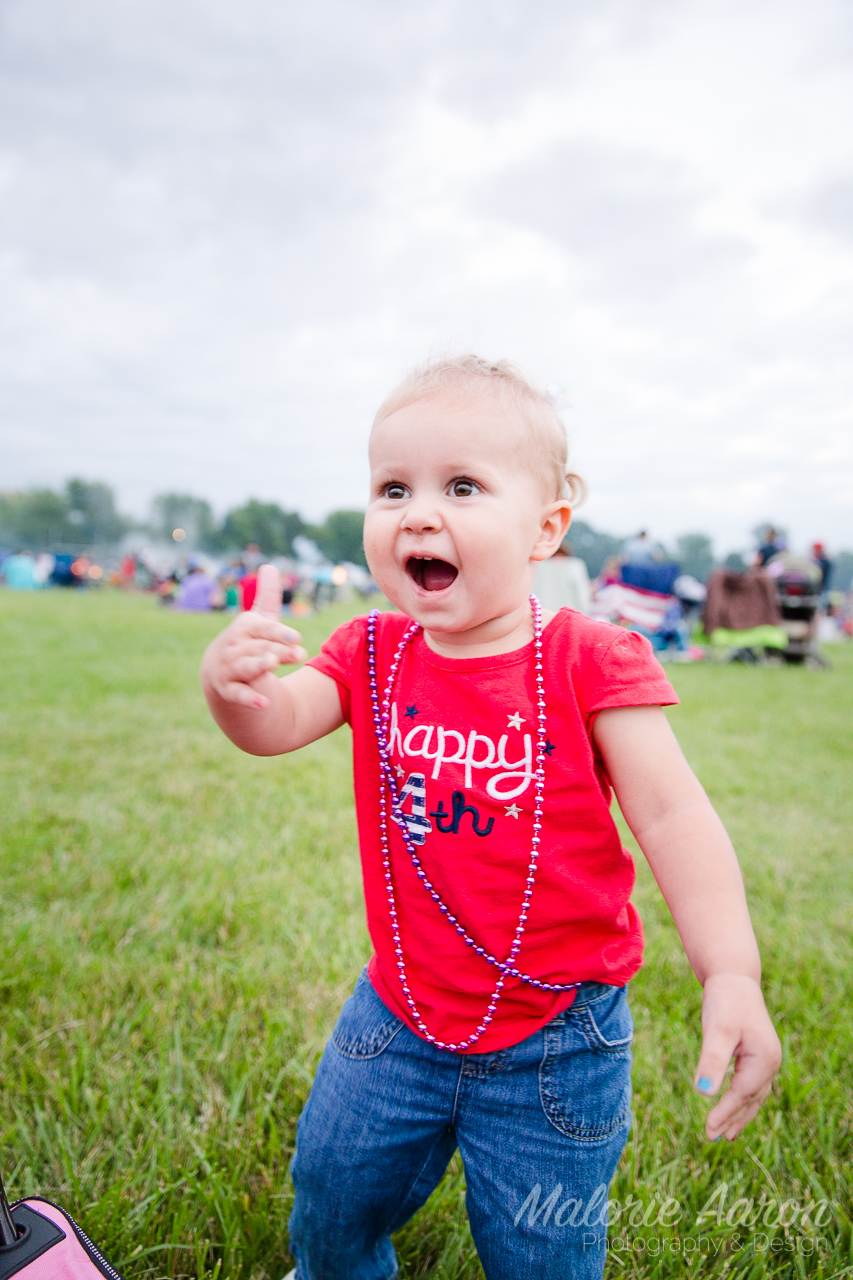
{"x":401,"y":772}
{"x":411,"y":711}
{"x":549,"y":746}
{"x":512,"y":810}
{"x":515,"y":721}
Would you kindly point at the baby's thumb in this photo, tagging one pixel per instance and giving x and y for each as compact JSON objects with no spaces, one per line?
{"x":268,"y":597}
{"x":717,"y":1050}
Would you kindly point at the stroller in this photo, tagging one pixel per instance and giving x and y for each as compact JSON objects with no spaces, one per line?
{"x":798,"y":582}
{"x":742,"y":616}
{"x":39,"y":1241}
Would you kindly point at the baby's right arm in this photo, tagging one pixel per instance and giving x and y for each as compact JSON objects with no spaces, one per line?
{"x":259,"y":712}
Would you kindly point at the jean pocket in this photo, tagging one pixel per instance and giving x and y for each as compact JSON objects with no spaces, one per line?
{"x":366,"y":1026}
{"x":585,"y":1073}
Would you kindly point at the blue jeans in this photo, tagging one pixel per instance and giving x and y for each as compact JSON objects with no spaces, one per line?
{"x":540,"y":1127}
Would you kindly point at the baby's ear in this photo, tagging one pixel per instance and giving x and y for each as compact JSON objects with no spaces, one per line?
{"x":556,"y":519}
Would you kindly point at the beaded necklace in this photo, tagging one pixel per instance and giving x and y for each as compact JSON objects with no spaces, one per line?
{"x":388,"y":788}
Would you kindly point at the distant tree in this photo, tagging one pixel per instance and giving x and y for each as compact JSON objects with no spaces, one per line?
{"x":37,"y":519}
{"x":735,"y":561}
{"x":592,"y":547}
{"x":341,"y":536}
{"x":841,"y":578}
{"x":172,"y":511}
{"x":41,"y":519}
{"x":264,"y":523}
{"x":695,"y":555}
{"x":92,"y":511}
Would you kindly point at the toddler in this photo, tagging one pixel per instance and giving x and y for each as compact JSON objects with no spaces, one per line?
{"x":487,"y":735}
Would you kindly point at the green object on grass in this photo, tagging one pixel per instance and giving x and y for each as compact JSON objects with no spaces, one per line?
{"x":754,"y":638}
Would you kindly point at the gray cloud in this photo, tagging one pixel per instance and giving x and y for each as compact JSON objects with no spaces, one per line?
{"x":830,"y":208}
{"x":224,"y":230}
{"x":628,"y":220}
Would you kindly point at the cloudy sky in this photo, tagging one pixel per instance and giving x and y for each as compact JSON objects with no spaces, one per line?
{"x":226,"y":229}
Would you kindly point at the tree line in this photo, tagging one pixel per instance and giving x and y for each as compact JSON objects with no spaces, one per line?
{"x":84,"y":514}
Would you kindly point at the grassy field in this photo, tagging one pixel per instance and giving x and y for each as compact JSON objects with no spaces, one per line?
{"x":179,"y":924}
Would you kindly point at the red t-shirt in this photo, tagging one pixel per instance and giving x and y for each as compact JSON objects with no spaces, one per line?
{"x":465,"y":729}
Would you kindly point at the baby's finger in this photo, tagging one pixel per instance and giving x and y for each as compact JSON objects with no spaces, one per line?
{"x":750,"y":1086}
{"x":251,"y":646}
{"x":276,"y":654}
{"x":269,"y":594}
{"x":248,"y":667}
{"x":295,"y":653}
{"x":243,"y":695}
{"x":717,"y":1049}
{"x":731,"y":1116}
{"x":733,"y":1113}
{"x":260,"y":627}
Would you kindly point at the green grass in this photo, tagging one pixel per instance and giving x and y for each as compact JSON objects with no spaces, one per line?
{"x":179,"y":924}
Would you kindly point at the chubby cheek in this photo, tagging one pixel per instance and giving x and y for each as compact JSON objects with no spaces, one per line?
{"x":379,"y":547}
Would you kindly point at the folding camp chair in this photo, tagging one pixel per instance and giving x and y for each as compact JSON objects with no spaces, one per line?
{"x":40,"y":1241}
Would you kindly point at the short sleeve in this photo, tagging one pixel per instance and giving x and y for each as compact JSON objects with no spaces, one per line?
{"x":624,"y":672}
{"x":340,"y":657}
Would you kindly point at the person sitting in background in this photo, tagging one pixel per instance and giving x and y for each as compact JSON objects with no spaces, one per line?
{"x":290,"y":581}
{"x":563,"y":580}
{"x":611,"y":571}
{"x":639,"y":550}
{"x":168,"y":589}
{"x":198,"y":591}
{"x":43,"y":567}
{"x":19,"y":571}
{"x":771,"y":545}
{"x":232,"y":595}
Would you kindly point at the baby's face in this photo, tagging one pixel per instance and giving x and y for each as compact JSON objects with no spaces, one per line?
{"x":455,"y":520}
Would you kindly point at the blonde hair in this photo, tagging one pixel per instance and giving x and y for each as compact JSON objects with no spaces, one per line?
{"x":547,"y":449}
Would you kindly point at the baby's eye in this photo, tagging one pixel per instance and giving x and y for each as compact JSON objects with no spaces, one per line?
{"x":463,"y":488}
{"x":395,"y":491}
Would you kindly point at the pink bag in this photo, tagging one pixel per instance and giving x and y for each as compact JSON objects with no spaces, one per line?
{"x":38,"y":1241}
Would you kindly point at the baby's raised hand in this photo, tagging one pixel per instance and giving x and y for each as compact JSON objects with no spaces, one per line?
{"x":735,"y":1023}
{"x":240,"y":659}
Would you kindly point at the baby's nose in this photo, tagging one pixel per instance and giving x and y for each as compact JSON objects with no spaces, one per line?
{"x":421,"y":517}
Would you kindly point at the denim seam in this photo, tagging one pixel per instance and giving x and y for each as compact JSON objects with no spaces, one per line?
{"x":602,"y":1043}
{"x":456,"y":1092}
{"x":595,"y":1135}
{"x":577,"y":1005}
{"x":357,"y":1052}
{"x":414,"y":1181}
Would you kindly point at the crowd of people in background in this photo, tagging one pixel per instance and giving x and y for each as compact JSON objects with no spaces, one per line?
{"x":779,"y":607}
{"x":780,"y":599}
{"x":197,"y":583}
{"x":234,"y":586}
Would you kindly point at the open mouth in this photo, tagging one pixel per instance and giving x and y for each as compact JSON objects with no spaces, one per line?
{"x":430,"y":574}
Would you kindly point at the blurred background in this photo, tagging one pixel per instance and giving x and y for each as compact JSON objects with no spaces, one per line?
{"x":225,"y":231}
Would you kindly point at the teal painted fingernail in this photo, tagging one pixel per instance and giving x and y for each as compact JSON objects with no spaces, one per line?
{"x":703,"y":1084}
{"x":717,"y":1139}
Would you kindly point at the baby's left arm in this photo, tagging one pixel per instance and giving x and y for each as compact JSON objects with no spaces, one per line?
{"x":695,"y":866}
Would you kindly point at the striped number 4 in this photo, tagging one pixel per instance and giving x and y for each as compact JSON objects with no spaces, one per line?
{"x":417,"y":822}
